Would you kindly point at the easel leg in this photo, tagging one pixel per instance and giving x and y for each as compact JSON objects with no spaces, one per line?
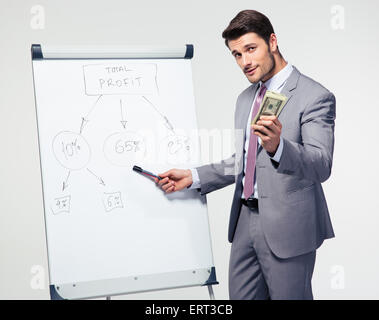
{"x":211,"y":294}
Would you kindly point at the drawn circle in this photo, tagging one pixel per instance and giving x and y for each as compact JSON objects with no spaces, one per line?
{"x":124,"y":148}
{"x":71,"y":150}
{"x":177,"y":149}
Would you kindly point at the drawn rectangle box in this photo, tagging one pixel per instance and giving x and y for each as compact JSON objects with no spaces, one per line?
{"x":110,"y":79}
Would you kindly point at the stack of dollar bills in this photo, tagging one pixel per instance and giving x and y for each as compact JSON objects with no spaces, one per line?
{"x":272,"y":104}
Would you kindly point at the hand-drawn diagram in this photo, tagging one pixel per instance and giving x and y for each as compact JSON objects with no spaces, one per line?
{"x":71,"y":150}
{"x":112,"y":201}
{"x":176,"y":148}
{"x":61,"y":204}
{"x":124,"y":148}
{"x":135,"y":79}
{"x":120,"y":148}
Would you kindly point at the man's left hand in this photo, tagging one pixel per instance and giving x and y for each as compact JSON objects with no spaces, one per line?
{"x":268,"y":128}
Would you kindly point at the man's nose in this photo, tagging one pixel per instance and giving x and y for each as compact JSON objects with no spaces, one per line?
{"x":246,"y":60}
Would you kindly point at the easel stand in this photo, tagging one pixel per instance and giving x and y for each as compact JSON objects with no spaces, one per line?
{"x":210,"y":291}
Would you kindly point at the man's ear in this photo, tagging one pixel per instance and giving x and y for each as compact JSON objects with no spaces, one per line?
{"x":273,"y":43}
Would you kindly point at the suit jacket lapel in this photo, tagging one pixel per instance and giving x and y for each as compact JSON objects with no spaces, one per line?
{"x":290,"y":84}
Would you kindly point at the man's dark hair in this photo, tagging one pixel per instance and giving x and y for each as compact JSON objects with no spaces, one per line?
{"x":248,"y":21}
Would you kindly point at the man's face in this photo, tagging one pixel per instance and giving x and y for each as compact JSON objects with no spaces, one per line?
{"x":254,"y":57}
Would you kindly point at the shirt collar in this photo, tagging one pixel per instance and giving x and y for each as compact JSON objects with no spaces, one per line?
{"x":276,"y":82}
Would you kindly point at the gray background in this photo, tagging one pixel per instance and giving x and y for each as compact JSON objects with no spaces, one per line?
{"x":345,"y":61}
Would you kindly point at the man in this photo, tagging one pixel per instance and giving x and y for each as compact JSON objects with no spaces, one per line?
{"x":279,"y":216}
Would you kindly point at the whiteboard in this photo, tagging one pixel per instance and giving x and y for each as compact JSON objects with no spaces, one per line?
{"x":109,"y":229}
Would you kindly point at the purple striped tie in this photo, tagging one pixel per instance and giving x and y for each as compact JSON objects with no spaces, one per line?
{"x":252,"y":152}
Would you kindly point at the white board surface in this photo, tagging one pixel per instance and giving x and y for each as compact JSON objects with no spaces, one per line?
{"x":96,"y":119}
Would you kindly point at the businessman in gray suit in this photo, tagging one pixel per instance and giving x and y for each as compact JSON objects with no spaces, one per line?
{"x":279,"y":215}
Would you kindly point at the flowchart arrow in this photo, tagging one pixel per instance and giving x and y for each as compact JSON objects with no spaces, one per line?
{"x":65,"y":185}
{"x":85,"y":119}
{"x":123,"y":121}
{"x":84,"y":122}
{"x":101,"y":181}
{"x":167,"y":122}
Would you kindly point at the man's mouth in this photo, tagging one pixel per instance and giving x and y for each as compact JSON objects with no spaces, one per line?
{"x":250,"y":71}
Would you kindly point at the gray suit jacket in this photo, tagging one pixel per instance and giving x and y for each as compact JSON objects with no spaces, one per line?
{"x":292,"y":205}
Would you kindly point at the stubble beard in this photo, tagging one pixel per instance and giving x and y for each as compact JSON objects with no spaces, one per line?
{"x":271,"y":68}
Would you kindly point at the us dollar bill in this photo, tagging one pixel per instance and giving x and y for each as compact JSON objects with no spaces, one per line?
{"x":272,"y":104}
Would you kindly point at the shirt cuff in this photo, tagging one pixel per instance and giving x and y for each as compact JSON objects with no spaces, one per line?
{"x":195,"y":180}
{"x":278,"y":153}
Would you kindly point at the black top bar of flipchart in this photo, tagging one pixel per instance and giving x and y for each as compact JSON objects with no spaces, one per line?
{"x":37,"y":53}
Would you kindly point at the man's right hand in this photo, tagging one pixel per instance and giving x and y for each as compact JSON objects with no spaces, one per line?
{"x":174,"y":180}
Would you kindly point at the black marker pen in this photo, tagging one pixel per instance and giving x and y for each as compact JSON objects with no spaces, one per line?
{"x":140,"y":170}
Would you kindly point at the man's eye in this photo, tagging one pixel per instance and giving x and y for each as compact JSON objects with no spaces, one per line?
{"x":251,"y":48}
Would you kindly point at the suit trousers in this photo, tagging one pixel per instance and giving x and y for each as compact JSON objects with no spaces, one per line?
{"x":255,"y":273}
